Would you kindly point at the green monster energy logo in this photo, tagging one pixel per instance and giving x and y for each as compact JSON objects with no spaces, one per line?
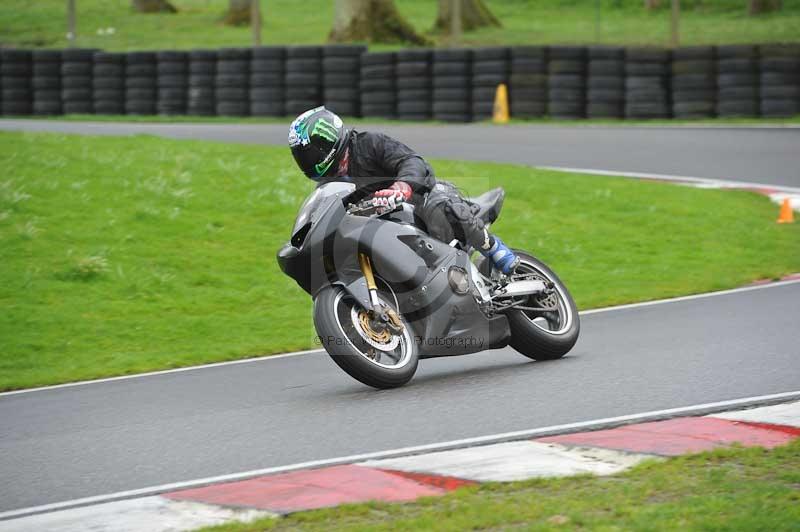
{"x":326,"y":130}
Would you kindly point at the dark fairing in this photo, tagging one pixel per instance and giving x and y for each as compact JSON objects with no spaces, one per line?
{"x":324,"y":248}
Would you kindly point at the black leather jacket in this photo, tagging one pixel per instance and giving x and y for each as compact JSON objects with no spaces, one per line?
{"x":377,"y":161}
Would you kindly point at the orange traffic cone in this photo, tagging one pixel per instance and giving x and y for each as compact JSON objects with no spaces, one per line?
{"x":787,"y":214}
{"x":500,"y":111}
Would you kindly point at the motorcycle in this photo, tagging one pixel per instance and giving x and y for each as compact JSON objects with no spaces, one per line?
{"x":386,"y":294}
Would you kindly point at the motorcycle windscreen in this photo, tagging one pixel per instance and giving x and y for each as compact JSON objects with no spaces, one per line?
{"x":317,"y":198}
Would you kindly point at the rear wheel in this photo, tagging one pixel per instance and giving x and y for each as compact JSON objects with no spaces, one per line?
{"x":377,"y":359}
{"x":550,"y":328}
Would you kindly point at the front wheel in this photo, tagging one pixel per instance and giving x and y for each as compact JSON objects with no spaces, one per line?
{"x":549,"y":333}
{"x":377,"y":359}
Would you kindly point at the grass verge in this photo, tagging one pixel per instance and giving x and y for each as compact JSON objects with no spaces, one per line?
{"x":120,"y":255}
{"x":42,"y":23}
{"x":731,"y":489}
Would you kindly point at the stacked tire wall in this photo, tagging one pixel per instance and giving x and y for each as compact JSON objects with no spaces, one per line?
{"x":490,"y":68}
{"x":232,"y":82}
{"x":46,"y":82}
{"x":108,"y":83}
{"x":268,"y":82}
{"x":77,"y":81}
{"x":566,"y":82}
{"x":378,"y":87}
{"x":341,"y":75}
{"x":173,"y":82}
{"x":201,"y":93}
{"x":303,"y":79}
{"x":141,"y":90}
{"x":528,"y":81}
{"x":450,"y":85}
{"x":694,"y":82}
{"x":779,"y":82}
{"x":15,"y":86}
{"x":452,"y":76}
{"x":647,"y":88}
{"x":414,"y":85}
{"x":605,"y":83}
{"x":737,"y":81}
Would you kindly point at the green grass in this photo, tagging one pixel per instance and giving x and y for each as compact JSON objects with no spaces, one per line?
{"x":42,"y":23}
{"x":733,"y":489}
{"x":356,"y":121}
{"x":121,"y":255}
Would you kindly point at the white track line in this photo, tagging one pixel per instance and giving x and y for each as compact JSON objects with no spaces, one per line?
{"x":320,"y":351}
{"x":716,"y":183}
{"x":705,"y":295}
{"x":595,"y":424}
{"x":163,"y":372}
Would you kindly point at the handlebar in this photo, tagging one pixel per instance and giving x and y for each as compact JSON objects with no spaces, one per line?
{"x":366,"y":208}
{"x":362,"y":208}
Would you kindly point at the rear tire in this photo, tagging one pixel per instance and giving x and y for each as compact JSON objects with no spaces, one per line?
{"x":542,"y":339}
{"x":535,"y":341}
{"x":332,"y":311}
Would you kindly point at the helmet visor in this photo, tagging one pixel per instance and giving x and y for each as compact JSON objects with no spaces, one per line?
{"x":316,"y":161}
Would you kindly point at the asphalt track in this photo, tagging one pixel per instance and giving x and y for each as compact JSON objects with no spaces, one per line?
{"x":753,"y":154}
{"x":74,"y":442}
{"x":69,"y":443}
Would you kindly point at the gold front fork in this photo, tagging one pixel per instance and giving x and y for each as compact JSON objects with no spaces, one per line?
{"x":366,"y":269}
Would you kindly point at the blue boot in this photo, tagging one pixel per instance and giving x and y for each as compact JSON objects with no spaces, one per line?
{"x":501,"y":256}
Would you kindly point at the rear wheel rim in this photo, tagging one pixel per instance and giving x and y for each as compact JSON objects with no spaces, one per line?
{"x":557,"y":322}
{"x":395,"y":358}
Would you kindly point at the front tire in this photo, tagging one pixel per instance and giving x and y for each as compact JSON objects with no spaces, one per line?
{"x":372,"y":362}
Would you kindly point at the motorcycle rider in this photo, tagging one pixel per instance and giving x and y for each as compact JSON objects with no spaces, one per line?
{"x":392,"y":173}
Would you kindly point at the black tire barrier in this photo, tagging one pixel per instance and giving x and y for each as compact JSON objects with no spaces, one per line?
{"x":451,"y":70}
{"x":605,"y":82}
{"x":779,"y":80}
{"x":16,"y":69}
{"x":693,"y":83}
{"x":528,"y":81}
{"x":414,"y":84}
{"x":141,"y":89}
{"x":647,"y":83}
{"x":303,"y":79}
{"x":201,"y":83}
{"x":490,"y":68}
{"x":232,"y":82}
{"x":77,"y":81}
{"x":566,"y":82}
{"x":267,"y":81}
{"x":452,"y":84}
{"x":378,"y":90}
{"x":341,"y":73}
{"x":45,"y":83}
{"x":737,"y":81}
{"x":108,"y":83}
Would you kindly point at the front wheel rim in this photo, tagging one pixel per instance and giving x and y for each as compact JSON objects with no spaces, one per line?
{"x":395,"y":358}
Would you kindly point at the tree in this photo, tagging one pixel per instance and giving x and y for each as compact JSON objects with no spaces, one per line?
{"x":239,"y":13}
{"x":371,"y":21}
{"x":153,"y":6}
{"x":756,"y":7}
{"x":474,"y":15}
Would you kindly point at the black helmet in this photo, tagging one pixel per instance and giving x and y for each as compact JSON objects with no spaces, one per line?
{"x":318,"y":140}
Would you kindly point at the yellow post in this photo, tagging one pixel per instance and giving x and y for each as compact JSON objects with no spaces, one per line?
{"x":500,"y":115}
